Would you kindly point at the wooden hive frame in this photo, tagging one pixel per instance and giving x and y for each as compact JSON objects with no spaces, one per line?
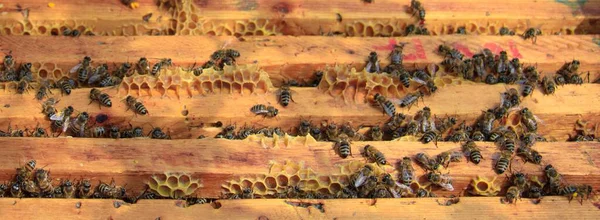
{"x":280,"y":41}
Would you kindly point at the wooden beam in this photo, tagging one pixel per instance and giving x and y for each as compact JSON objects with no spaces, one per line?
{"x":100,"y":17}
{"x":190,"y":117}
{"x":296,"y":58}
{"x":216,"y":162}
{"x":475,"y":207}
{"x":265,"y":17}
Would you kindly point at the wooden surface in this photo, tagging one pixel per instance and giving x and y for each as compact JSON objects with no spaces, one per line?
{"x":576,"y":102}
{"x":479,"y":208}
{"x":297,"y":58}
{"x":384,"y":17}
{"x":217,"y":161}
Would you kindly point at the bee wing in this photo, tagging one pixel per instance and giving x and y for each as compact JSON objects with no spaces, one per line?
{"x":360,"y":180}
{"x":447,"y":186}
{"x":58,"y":117}
{"x":404,"y":187}
{"x":94,"y":78}
{"x":81,"y":130}
{"x":75,"y":68}
{"x":419,"y":80}
{"x":66,"y":124}
{"x":260,"y":111}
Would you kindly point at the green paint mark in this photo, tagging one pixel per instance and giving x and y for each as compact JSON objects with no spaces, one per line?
{"x":596,"y":41}
{"x":574,"y":5}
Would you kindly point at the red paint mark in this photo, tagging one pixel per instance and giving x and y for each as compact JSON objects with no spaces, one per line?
{"x":390,"y":46}
{"x":419,"y":50}
{"x":514,"y":50}
{"x":463,"y":49}
{"x":494,"y":47}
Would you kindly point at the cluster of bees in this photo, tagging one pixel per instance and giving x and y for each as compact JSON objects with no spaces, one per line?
{"x":22,"y":75}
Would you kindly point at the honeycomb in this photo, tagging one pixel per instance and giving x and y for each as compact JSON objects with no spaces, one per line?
{"x":243,"y":79}
{"x":484,"y":187}
{"x":372,"y":28}
{"x":281,"y":176}
{"x":174,"y":185}
{"x":278,"y":141}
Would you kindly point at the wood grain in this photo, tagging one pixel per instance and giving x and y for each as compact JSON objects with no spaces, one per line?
{"x":480,"y":208}
{"x":217,"y":161}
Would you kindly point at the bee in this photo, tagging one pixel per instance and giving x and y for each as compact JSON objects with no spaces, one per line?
{"x":507,"y":144}
{"x":110,"y":191}
{"x":284,"y":95}
{"x":38,"y":132}
{"x":9,"y":62}
{"x":532,"y":33}
{"x":460,"y":134}
{"x":244,"y":133}
{"x":560,"y":80}
{"x":26,"y":171}
{"x":461,"y":30}
{"x":511,"y":98}
{"x":529,"y":120}
{"x":110,"y":81}
{"x":505,"y":31}
{"x":406,"y":171}
{"x":85,"y":64}
{"x":411,"y":99}
{"x":359,"y":178}
{"x":472,"y":151}
{"x":304,"y":128}
{"x":487,"y":122}
{"x":315,"y":132}
{"x":450,"y":52}
{"x":113,"y":132}
{"x":553,"y":177}
{"x":575,"y":79}
{"x":491,"y":79}
{"x":548,"y":85}
{"x":143,"y":66}
{"x":43,"y":90}
{"x":417,"y":9}
{"x":158,"y":66}
{"x":157,"y":133}
{"x":123,"y":70}
{"x":96,"y":132}
{"x":430,"y":136}
{"x":84,"y":189}
{"x":23,"y":86}
{"x":332,"y":131}
{"x":68,"y":189}
{"x":374,"y":154}
{"x":502,"y":63}
{"x":25,"y":72}
{"x":3,"y":189}
{"x":317,"y":79}
{"x":386,"y":105}
{"x":66,"y":85}
{"x":404,"y":77}
{"x":446,"y":157}
{"x":396,"y":55}
{"x":442,"y":180}
{"x":137,"y":106}
{"x":44,"y":181}
{"x":15,"y":190}
{"x":512,"y":194}
{"x":372,"y":65}
{"x":342,"y":146}
{"x":133,"y":132}
{"x":102,"y":98}
{"x":100,"y":73}
{"x":529,"y":155}
{"x":446,"y":124}
{"x":409,"y":30}
{"x":265,"y":111}
{"x":426,"y":162}
{"x":376,"y":133}
{"x":571,"y":67}
{"x":395,"y":122}
{"x":534,"y":192}
{"x":582,"y":191}
{"x":503,"y":162}
{"x":425,"y":121}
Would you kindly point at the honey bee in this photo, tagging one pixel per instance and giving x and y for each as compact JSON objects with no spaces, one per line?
{"x":505,"y":31}
{"x":123,"y":70}
{"x":245,"y":132}
{"x":96,"y":132}
{"x":38,"y":132}
{"x":487,"y":122}
{"x":342,"y":146}
{"x":430,"y":136}
{"x":137,"y":106}
{"x":491,"y":79}
{"x":284,"y":95}
{"x":43,"y":90}
{"x":15,"y":190}
{"x":560,"y":80}
{"x":82,"y":69}
{"x":548,"y":85}
{"x":395,"y":122}
{"x":113,"y":132}
{"x":265,"y":111}
{"x":26,"y":171}
{"x":571,"y":67}
{"x":9,"y":62}
{"x":110,"y":191}
{"x":44,"y":181}
{"x":84,"y":189}
{"x":472,"y":151}
{"x":404,"y":77}
{"x":157,"y":133}
{"x":529,"y":155}
{"x":512,"y":194}
{"x":417,"y":9}
{"x":386,"y":105}
{"x":23,"y":86}
{"x":528,"y":88}
{"x":503,"y":162}
{"x":442,"y":180}
{"x":427,"y":162}
{"x":374,"y":154}
{"x":102,"y":98}
{"x":25,"y":72}
{"x":66,"y":85}
{"x":460,"y":134}
{"x":553,"y":178}
{"x":583,"y":190}
{"x":316,"y":133}
{"x":143,"y":67}
{"x":450,"y":52}
{"x":317,"y":78}
{"x":78,"y":125}
{"x":376,"y":133}
{"x":406,"y":171}
{"x":158,"y":66}
{"x":3,"y":189}
{"x":68,"y":190}
{"x":304,"y":128}
{"x":446,"y":124}
{"x":411,"y":99}
{"x":100,"y":73}
{"x":359,"y":178}
{"x":532,"y":33}
{"x":372,"y":65}
{"x":446,"y":157}
{"x":529,"y":120}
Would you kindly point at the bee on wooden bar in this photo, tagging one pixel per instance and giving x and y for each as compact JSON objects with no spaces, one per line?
{"x":503,"y":162}
{"x":110,"y":191}
{"x":304,"y":128}
{"x":265,"y":111}
{"x":9,"y":62}
{"x":84,"y":65}
{"x":23,"y":86}
{"x":472,"y":151}
{"x":505,"y":31}
{"x":143,"y":66}
{"x":110,"y":81}
{"x":560,"y":80}
{"x":284,"y":95}
{"x":25,"y":72}
{"x":38,"y":132}
{"x":43,"y":90}
{"x":417,"y":9}
{"x":158,"y":66}
{"x":331,"y":131}
{"x":374,"y":154}
{"x":3,"y":189}
{"x":512,"y":194}
{"x":113,"y":132}
{"x":427,"y":162}
{"x":316,"y":133}
{"x":244,"y":132}
{"x":446,"y":124}
{"x":507,"y":144}
{"x":446,"y":157}
{"x":342,"y":146}
{"x":395,"y":122}
{"x":386,"y":105}
{"x":123,"y":70}
{"x":78,"y":125}
{"x":430,"y":136}
{"x":96,"y":132}
{"x":68,"y":189}
{"x":376,"y":133}
{"x":487,"y":122}
{"x":583,"y":191}
{"x":406,"y":171}
{"x":404,"y":77}
{"x":157,"y":133}
{"x":66,"y":85}
{"x":460,"y":134}
{"x":317,"y":79}
{"x":84,"y":189}
{"x":359,"y":178}
{"x":450,"y":52}
{"x":548,"y":85}
{"x":96,"y":76}
{"x":137,"y":106}
{"x":442,"y":180}
{"x":132,"y":132}
{"x":102,"y":98}
{"x":16,"y":191}
{"x":532,"y":33}
{"x":44,"y":181}
{"x":372,"y":65}
{"x":411,"y":99}
{"x":529,"y":155}
{"x":26,"y":171}
{"x":529,"y":120}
